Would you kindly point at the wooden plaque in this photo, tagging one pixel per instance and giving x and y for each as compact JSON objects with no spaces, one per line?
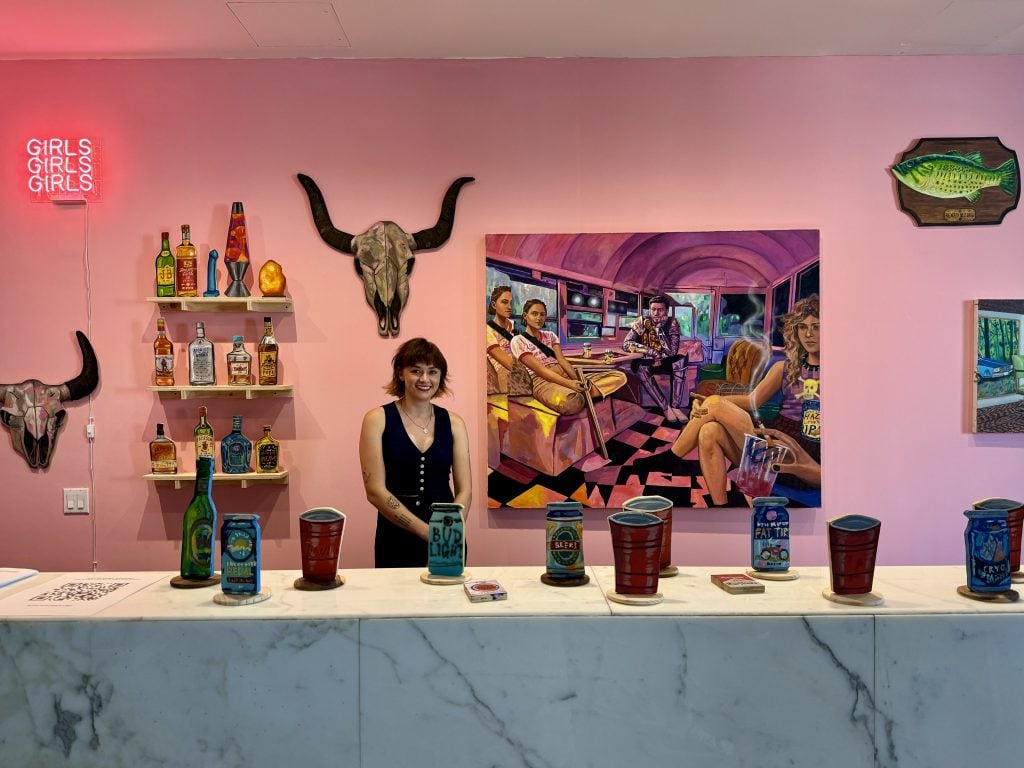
{"x":957,"y":182}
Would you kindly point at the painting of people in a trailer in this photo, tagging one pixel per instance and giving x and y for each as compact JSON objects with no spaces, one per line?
{"x":998,"y":389}
{"x":680,"y":364}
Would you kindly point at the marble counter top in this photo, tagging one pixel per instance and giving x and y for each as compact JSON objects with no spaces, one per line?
{"x":388,"y":671}
{"x":399,"y":593}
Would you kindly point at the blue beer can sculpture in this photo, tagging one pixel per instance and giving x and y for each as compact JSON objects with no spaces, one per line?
{"x":987,"y":544}
{"x":446,"y":541}
{"x":240,"y":554}
{"x":564,"y":539}
{"x":769,"y":534}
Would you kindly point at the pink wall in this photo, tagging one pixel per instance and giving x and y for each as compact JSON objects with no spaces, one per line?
{"x":556,"y":146}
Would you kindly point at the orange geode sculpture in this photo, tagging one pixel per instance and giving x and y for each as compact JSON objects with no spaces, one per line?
{"x":272,"y":279}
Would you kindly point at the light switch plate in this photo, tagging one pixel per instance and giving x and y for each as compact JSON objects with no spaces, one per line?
{"x":76,"y":501}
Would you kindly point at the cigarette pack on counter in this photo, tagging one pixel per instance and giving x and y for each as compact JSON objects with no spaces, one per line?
{"x":484,"y":590}
{"x":737,"y":583}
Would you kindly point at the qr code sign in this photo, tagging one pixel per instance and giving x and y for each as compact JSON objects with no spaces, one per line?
{"x":80,"y":591}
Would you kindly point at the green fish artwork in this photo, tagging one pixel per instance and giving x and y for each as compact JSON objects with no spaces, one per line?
{"x":955,"y":174}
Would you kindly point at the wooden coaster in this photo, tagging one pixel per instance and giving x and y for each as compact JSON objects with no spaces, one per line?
{"x":615,"y":597}
{"x":179,"y":583}
{"x":318,"y":586}
{"x":222,"y":598}
{"x":866,"y":599}
{"x":443,"y":581}
{"x":789,"y":575}
{"x":576,"y":581}
{"x":1017,"y":577}
{"x":669,"y":571}
{"x":1007,"y":596}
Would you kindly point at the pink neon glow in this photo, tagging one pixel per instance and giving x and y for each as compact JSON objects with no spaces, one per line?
{"x":62,"y":169}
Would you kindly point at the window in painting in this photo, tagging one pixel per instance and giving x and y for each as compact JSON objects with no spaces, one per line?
{"x":998,"y":338}
{"x":700,"y":324}
{"x":807,"y":282}
{"x":741,"y":314}
{"x":780,"y":306}
{"x":524,"y":287}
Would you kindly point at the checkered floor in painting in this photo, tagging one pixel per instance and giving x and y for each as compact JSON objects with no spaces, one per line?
{"x":639,"y":463}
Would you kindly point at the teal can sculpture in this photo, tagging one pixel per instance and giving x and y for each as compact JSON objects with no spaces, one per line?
{"x":564,"y":545}
{"x":446,"y":541}
{"x":240,"y":554}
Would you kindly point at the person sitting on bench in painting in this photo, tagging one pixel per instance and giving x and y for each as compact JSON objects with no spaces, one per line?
{"x":656,"y":337}
{"x":555,"y":383}
{"x":717,"y":424}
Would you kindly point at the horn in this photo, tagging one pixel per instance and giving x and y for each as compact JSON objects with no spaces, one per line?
{"x":84,"y":383}
{"x":336,"y":238}
{"x":437,"y":235}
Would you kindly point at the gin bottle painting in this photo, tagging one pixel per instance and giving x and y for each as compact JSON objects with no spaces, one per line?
{"x":201,"y":370}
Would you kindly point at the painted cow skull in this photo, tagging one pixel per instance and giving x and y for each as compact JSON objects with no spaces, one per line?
{"x":34,"y":412}
{"x":384,"y":252}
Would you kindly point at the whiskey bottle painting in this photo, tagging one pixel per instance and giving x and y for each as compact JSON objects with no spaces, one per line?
{"x":163,"y":357}
{"x":203,"y":436}
{"x":163,"y":457}
{"x":185,"y":266}
{"x":165,"y":267}
{"x":268,"y":451}
{"x":239,"y":363}
{"x":267,"y":355}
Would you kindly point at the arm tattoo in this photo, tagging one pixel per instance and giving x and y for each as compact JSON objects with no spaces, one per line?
{"x":366,"y":477}
{"x":392,"y":502}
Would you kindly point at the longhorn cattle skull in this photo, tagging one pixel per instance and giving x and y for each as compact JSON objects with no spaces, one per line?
{"x":34,"y":412}
{"x":384,"y":252}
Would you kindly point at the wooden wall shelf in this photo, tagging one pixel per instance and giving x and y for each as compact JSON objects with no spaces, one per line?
{"x":251,"y":392}
{"x":223,"y":304}
{"x":188,"y":479}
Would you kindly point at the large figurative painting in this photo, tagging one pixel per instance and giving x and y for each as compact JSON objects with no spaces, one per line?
{"x":998,"y":386}
{"x":682,"y":364}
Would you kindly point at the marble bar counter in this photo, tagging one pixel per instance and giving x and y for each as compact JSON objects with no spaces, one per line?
{"x":386,"y":671}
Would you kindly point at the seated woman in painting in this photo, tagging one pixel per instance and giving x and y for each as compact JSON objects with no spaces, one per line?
{"x":718,"y":423}
{"x":499,"y":339}
{"x":555,"y":382}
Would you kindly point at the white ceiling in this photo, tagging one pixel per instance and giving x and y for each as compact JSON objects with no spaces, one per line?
{"x":79,"y":29}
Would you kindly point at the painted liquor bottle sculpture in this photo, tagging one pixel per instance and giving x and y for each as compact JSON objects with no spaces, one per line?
{"x":235,"y":450}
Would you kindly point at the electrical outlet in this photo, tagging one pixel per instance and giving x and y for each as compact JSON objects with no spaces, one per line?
{"x":76,"y":501}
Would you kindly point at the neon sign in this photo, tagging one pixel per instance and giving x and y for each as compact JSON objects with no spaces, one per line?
{"x":62,"y":169}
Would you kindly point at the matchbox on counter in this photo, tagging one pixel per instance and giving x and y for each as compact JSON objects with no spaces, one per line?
{"x":737,"y":583}
{"x":484,"y":590}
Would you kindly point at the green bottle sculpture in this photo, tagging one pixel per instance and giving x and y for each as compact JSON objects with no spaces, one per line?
{"x":199,"y":526}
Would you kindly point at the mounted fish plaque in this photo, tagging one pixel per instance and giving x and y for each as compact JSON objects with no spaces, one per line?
{"x":955,"y":182}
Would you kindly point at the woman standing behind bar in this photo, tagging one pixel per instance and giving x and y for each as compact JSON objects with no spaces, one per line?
{"x":410,"y":451}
